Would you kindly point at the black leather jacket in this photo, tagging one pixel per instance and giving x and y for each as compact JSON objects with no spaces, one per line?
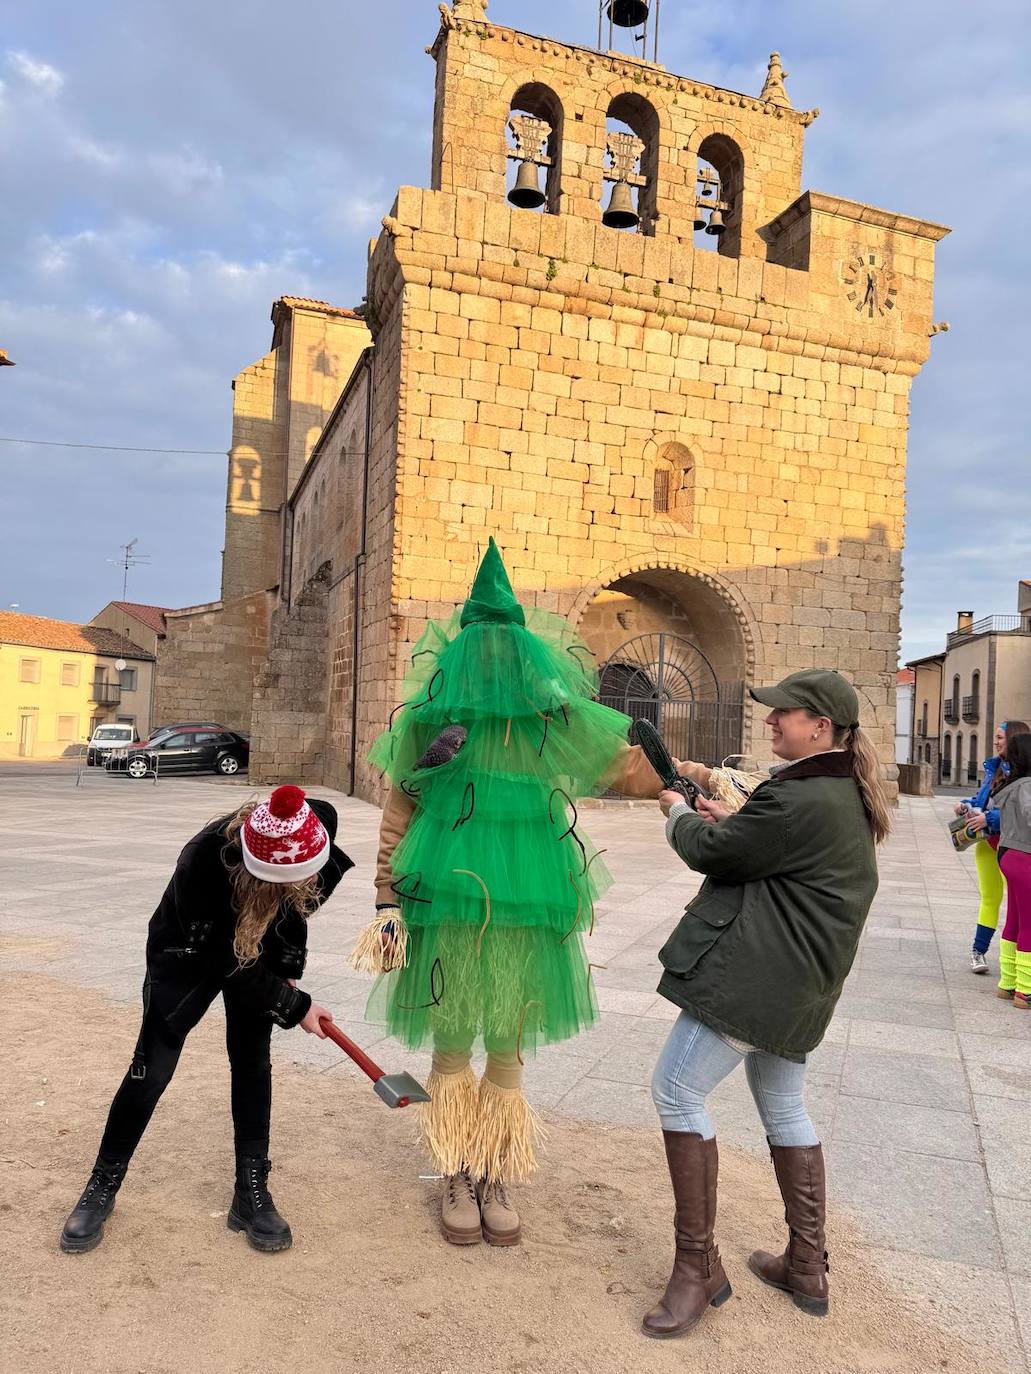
{"x":190,"y":937}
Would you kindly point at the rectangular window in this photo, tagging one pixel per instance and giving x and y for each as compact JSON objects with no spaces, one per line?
{"x":127,"y":679}
{"x":661,"y":491}
{"x":28,"y":670}
{"x":67,"y":729}
{"x":69,"y":674}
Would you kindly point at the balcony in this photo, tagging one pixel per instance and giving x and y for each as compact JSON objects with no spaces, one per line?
{"x":105,"y":693}
{"x":951,"y":711}
{"x":991,"y":625}
{"x":972,"y":771}
{"x":971,"y":709}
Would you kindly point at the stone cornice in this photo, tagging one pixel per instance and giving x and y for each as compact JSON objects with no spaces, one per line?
{"x":635,"y":70}
{"x":815,"y":202}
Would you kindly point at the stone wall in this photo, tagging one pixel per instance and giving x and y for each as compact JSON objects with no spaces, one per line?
{"x":209,"y":660}
{"x":288,"y":725}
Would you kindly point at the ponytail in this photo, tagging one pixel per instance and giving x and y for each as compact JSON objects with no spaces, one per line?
{"x":869,"y":776}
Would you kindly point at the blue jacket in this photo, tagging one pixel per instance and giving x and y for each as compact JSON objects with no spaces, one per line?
{"x":980,"y":800}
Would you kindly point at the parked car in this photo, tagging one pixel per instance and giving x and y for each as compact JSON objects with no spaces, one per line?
{"x":108,"y":737}
{"x":194,"y":749}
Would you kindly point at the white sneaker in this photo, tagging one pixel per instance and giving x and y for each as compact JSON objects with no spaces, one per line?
{"x":978,"y":963}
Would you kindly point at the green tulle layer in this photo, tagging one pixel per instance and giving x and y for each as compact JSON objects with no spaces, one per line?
{"x":496,"y":880}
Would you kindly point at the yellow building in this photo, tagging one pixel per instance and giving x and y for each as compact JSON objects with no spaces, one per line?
{"x":59,"y":681}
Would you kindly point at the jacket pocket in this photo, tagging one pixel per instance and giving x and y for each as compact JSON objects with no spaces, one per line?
{"x":702,"y":924}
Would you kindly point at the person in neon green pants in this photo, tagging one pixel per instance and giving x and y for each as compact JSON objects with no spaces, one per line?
{"x":990,"y":881}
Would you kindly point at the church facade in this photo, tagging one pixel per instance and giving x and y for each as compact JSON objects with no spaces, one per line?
{"x":616,"y":334}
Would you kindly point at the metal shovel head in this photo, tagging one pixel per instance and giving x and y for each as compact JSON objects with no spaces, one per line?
{"x":398,"y":1089}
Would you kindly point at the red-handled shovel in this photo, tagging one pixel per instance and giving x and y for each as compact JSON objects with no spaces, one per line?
{"x":396,"y":1089}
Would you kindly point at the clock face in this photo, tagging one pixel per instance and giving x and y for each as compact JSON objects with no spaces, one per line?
{"x":870,"y":285}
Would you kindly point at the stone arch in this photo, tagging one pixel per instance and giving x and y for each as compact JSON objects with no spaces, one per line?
{"x":641,"y":116}
{"x":664,"y":595}
{"x":722,"y":155}
{"x":540,"y":100}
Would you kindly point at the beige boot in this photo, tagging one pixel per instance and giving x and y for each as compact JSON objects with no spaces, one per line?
{"x":460,"y":1210}
{"x":499,"y":1218}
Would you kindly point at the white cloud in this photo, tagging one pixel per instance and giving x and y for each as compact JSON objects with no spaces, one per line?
{"x":42,"y":75}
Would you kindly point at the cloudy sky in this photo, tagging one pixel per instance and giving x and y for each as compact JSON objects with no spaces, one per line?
{"x":167,"y":170}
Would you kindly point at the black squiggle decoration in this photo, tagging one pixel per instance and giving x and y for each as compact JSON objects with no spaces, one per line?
{"x":436,"y":997}
{"x":546,"y":717}
{"x":574,"y":649}
{"x":401,"y":707}
{"x":420,"y":652}
{"x":565,"y":714}
{"x":468,"y":800}
{"x":395,"y":888}
{"x":431,"y":695}
{"x":412,"y":793}
{"x":572,"y":828}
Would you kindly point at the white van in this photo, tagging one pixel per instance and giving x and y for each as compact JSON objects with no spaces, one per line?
{"x":108,"y":737}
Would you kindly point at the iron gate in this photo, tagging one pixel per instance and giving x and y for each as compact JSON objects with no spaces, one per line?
{"x":667,"y":680}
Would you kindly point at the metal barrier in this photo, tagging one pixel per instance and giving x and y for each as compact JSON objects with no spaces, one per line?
{"x":122,"y":765}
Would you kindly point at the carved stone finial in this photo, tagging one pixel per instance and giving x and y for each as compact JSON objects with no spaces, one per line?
{"x":624,"y":150}
{"x":774,"y":89}
{"x":470,"y":9}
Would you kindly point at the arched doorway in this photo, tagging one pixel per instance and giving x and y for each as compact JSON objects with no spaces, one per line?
{"x":667,"y":680}
{"x":672,"y":650}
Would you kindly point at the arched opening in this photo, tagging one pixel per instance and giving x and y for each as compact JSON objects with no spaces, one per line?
{"x":719,"y":195}
{"x":972,"y":759}
{"x":947,"y":757}
{"x":534,"y":131}
{"x":927,"y":753}
{"x":959,"y":757}
{"x":673,"y":483}
{"x":672,"y":651}
{"x":632,"y":164}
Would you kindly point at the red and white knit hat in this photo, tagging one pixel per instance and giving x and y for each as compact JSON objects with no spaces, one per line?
{"x":283,"y":840}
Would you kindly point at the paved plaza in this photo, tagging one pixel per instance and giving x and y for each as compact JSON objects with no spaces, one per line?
{"x":920,"y":1090}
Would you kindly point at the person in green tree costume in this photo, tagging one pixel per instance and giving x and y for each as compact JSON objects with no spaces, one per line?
{"x":485,"y":885}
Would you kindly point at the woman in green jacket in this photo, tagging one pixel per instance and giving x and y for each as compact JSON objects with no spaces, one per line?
{"x":757,"y":965}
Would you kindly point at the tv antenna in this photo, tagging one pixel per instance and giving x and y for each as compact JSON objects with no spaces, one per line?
{"x":129,"y":559}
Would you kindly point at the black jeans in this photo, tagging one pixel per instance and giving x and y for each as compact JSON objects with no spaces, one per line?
{"x":172,"y":1006}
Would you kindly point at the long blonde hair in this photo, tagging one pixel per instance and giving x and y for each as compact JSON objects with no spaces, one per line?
{"x":256,"y":902}
{"x":869,"y":776}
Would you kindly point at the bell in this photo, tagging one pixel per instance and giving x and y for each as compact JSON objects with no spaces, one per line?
{"x":621,"y":213}
{"x":715,"y":225}
{"x":699,"y":220}
{"x":526,"y":194}
{"x":627,"y":14}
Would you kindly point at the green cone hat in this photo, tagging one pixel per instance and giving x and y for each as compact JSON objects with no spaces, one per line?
{"x":492,"y":597}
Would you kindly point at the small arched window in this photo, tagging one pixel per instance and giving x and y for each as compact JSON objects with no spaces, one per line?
{"x":632,"y":164}
{"x":947,"y":756}
{"x":673,"y":483}
{"x":972,"y":760}
{"x":535,"y":146}
{"x":719,"y":195}
{"x":923,"y":719}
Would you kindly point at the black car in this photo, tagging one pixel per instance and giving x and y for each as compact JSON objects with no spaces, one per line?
{"x":193,"y":749}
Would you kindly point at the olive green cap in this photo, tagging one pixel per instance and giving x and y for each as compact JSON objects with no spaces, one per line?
{"x":819,"y":690}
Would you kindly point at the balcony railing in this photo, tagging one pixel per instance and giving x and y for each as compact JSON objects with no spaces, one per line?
{"x":972,"y":771}
{"x":105,"y":693}
{"x":952,"y":711}
{"x":991,"y":625}
{"x":971,"y":709}
{"x":946,"y":768}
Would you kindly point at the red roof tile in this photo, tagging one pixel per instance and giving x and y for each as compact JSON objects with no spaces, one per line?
{"x":151,"y":616}
{"x":37,"y":632}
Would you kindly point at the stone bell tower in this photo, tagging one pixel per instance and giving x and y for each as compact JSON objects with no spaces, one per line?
{"x":617,"y":335}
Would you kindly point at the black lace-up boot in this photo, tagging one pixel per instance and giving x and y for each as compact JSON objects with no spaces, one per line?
{"x":253,"y":1210}
{"x":84,"y":1228}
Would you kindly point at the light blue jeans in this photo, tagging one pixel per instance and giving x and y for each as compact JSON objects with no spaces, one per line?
{"x":694,"y":1059}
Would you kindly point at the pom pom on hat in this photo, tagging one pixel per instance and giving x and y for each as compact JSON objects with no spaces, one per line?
{"x":283,"y":841}
{"x":286,"y":801}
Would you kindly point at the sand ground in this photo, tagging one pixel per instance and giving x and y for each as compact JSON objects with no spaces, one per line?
{"x":370,"y":1285}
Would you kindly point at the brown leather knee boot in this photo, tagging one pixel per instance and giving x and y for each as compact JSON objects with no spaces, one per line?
{"x":698,"y":1280}
{"x":802,"y":1269}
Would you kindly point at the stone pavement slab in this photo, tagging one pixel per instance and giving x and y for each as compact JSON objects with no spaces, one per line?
{"x":921,"y":1089}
